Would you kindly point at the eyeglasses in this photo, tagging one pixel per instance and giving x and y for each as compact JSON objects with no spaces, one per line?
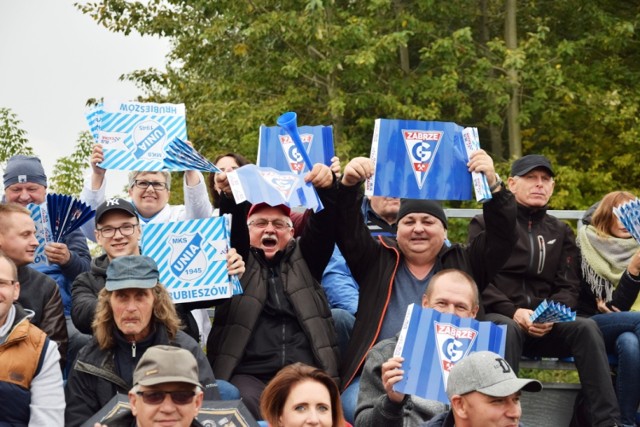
{"x":156,"y":397}
{"x":125,"y":230}
{"x":278,"y":224}
{"x":5,"y":283}
{"x":143,"y":185}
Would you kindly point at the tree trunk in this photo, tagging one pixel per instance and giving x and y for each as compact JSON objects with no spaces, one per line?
{"x":511,"y":41}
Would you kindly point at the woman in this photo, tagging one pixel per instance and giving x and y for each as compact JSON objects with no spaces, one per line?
{"x":226,"y":163}
{"x":301,"y":394}
{"x":610,"y":283}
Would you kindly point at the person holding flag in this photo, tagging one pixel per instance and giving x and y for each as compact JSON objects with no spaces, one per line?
{"x":283,"y":315}
{"x":394,"y":273}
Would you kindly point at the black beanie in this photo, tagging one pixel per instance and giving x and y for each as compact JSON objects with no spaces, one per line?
{"x":430,"y":207}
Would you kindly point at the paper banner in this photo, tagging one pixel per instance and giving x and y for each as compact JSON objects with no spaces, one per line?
{"x":432,"y":342}
{"x":552,"y":312}
{"x":134,"y":134}
{"x":629,"y":215}
{"x":273,"y":187}
{"x":276,"y":148}
{"x":191,"y":258}
{"x":40,"y":216}
{"x":181,"y":156}
{"x":419,"y":160}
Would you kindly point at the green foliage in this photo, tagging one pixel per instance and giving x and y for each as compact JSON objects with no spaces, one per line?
{"x":13,"y":139}
{"x":67,"y":171}
{"x":240,"y":64}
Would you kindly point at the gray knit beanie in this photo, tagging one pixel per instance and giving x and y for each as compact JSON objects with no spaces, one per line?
{"x":23,"y":169}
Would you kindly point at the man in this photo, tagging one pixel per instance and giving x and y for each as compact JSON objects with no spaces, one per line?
{"x":484,"y":392}
{"x":30,"y":375}
{"x":25,"y":182}
{"x":543,"y":266}
{"x":283,"y":315}
{"x":449,"y":291}
{"x":166,"y":390}
{"x":380,"y":214}
{"x":134,"y":313}
{"x":38,"y":292}
{"x":118,"y":233}
{"x":394,"y":273}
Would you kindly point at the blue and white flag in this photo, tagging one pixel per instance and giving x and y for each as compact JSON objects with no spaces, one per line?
{"x":432,"y":342}
{"x":40,"y":216}
{"x":419,"y":160}
{"x":552,"y":312}
{"x":192,"y":258}
{"x":629,"y":215}
{"x":273,"y":187}
{"x":134,"y":134}
{"x":276,"y":148}
{"x":181,"y":156}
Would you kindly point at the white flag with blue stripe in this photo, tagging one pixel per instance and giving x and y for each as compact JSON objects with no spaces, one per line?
{"x":273,"y":187}
{"x":192,"y":258}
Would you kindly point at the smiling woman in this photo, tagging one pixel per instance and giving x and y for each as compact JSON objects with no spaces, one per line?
{"x":300,"y":394}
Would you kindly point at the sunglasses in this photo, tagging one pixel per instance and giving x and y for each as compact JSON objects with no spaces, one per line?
{"x":156,"y":397}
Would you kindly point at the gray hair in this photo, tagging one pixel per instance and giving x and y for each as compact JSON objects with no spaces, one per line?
{"x":134,"y":174}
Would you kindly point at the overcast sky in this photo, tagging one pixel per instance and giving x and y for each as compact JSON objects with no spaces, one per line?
{"x":52,"y":59}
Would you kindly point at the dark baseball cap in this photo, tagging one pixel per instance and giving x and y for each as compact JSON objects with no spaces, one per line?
{"x":528,"y":163}
{"x":132,"y":271}
{"x":115,"y":204}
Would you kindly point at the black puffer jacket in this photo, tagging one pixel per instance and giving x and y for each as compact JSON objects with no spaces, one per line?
{"x":40,"y":293}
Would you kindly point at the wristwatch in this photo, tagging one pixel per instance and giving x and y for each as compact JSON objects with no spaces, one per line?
{"x":496,"y":184}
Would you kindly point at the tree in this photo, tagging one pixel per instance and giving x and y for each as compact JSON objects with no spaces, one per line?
{"x":239,"y":64}
{"x":68,"y":169}
{"x":13,"y":139}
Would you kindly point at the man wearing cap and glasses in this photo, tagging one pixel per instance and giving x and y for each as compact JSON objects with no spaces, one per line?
{"x":283,"y":315}
{"x":394,"y":273}
{"x":134,"y":313}
{"x":165,"y":390}
{"x":543,"y":265}
{"x":484,"y":392}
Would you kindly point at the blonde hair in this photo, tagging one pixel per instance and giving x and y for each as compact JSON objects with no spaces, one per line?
{"x":163,"y":311}
{"x":603,"y":218}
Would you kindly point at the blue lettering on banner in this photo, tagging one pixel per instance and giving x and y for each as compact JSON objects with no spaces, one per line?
{"x":149,"y":141}
{"x":202,"y":293}
{"x":144,"y":108}
{"x":189,"y":253}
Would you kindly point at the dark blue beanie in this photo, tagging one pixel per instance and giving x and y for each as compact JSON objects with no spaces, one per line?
{"x":23,"y":169}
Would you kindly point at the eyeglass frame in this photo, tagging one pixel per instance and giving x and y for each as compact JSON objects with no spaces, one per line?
{"x":272,"y":222}
{"x":156,"y":185}
{"x":115,"y":229}
{"x":7,"y":282}
{"x":145,"y":396}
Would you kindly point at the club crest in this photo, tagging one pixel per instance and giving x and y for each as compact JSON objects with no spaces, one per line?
{"x":284,"y":184}
{"x":291,"y":153}
{"x":453,"y":343}
{"x":188,"y":260}
{"x":422,"y":146}
{"x":150,"y":138}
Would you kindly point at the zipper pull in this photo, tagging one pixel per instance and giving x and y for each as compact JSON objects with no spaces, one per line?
{"x":133,"y":349}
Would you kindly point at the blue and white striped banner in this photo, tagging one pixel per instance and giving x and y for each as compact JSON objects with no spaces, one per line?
{"x":432,"y":342}
{"x":277,"y":150}
{"x":192,"y":258}
{"x":44,"y":235}
{"x":134,"y":134}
